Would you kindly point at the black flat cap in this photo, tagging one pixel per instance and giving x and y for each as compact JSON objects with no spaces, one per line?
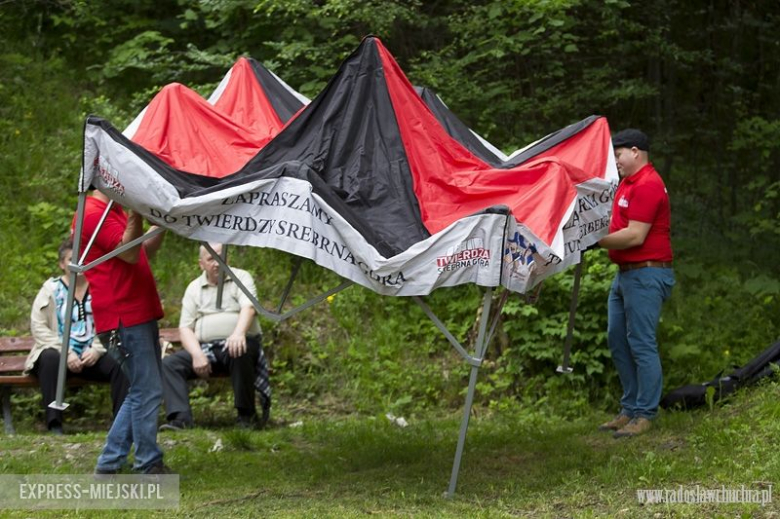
{"x":631,"y":138}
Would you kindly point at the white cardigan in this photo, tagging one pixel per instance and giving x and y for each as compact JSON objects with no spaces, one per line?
{"x":44,"y":328}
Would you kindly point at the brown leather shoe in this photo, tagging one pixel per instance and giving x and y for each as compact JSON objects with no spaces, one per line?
{"x":635,"y":427}
{"x":616,"y":423}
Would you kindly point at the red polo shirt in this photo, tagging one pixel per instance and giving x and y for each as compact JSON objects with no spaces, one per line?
{"x":642,"y":197}
{"x":121,"y":292}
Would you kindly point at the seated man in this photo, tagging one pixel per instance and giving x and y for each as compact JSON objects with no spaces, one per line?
{"x":225,"y":339}
{"x":86,"y":357}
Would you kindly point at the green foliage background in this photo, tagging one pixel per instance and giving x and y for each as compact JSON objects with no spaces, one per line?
{"x":700,"y":77}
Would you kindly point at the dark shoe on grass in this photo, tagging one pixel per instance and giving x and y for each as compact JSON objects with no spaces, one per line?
{"x":175,"y":425}
{"x":159,"y":468}
{"x":247,"y":421}
{"x":265,"y":416}
{"x":105,"y":473}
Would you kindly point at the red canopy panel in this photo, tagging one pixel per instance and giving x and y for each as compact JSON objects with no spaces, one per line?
{"x":247,"y":104}
{"x":190,"y":134}
{"x":451,"y":183}
{"x":184,"y":130}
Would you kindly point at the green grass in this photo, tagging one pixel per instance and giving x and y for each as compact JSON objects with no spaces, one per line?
{"x":524,"y":464}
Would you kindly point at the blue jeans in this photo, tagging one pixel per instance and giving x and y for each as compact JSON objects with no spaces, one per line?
{"x":635,"y":301}
{"x":136,"y":421}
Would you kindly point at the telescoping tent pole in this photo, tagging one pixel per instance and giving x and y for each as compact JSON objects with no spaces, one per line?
{"x":575,"y":291}
{"x":221,"y":277}
{"x":72,"y":274}
{"x":483,"y":338}
{"x":464,"y":425}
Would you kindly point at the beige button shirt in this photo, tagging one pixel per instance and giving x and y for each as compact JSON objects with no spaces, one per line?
{"x":199,"y":307}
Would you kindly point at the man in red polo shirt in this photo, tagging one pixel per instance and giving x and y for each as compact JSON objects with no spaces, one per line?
{"x":126,"y":308}
{"x":639,"y":243}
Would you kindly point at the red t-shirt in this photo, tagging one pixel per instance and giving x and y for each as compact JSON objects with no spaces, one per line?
{"x":121,"y":292}
{"x":642,"y":197}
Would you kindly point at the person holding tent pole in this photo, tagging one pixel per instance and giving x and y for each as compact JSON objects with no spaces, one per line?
{"x":639,"y":243}
{"x":126,"y":308}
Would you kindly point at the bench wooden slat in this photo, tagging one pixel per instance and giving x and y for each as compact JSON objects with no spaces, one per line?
{"x":30,"y":381}
{"x":12,"y":364}
{"x":18,"y":381}
{"x":17,"y":344}
{"x":170,"y":334}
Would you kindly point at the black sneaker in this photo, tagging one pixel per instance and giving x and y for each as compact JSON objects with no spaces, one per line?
{"x":175,"y":425}
{"x":247,"y":421}
{"x":159,"y":468}
{"x":106,"y":472}
{"x":266,"y":414}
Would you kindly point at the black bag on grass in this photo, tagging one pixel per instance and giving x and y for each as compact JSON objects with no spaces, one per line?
{"x":695,"y":395}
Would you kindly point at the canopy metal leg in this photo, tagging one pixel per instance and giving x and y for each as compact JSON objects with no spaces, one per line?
{"x":221,"y":277}
{"x":62,"y":371}
{"x":63,"y":367}
{"x":483,"y":338}
{"x":297,"y":262}
{"x":480,"y":351}
{"x":575,"y":292}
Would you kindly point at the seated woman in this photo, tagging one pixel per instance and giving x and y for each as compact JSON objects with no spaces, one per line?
{"x":86,"y":356}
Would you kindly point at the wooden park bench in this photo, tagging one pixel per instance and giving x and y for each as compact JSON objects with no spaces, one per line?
{"x":14,"y":351}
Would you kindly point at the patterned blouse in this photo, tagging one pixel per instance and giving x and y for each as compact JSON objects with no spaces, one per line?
{"x":82,"y":327}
